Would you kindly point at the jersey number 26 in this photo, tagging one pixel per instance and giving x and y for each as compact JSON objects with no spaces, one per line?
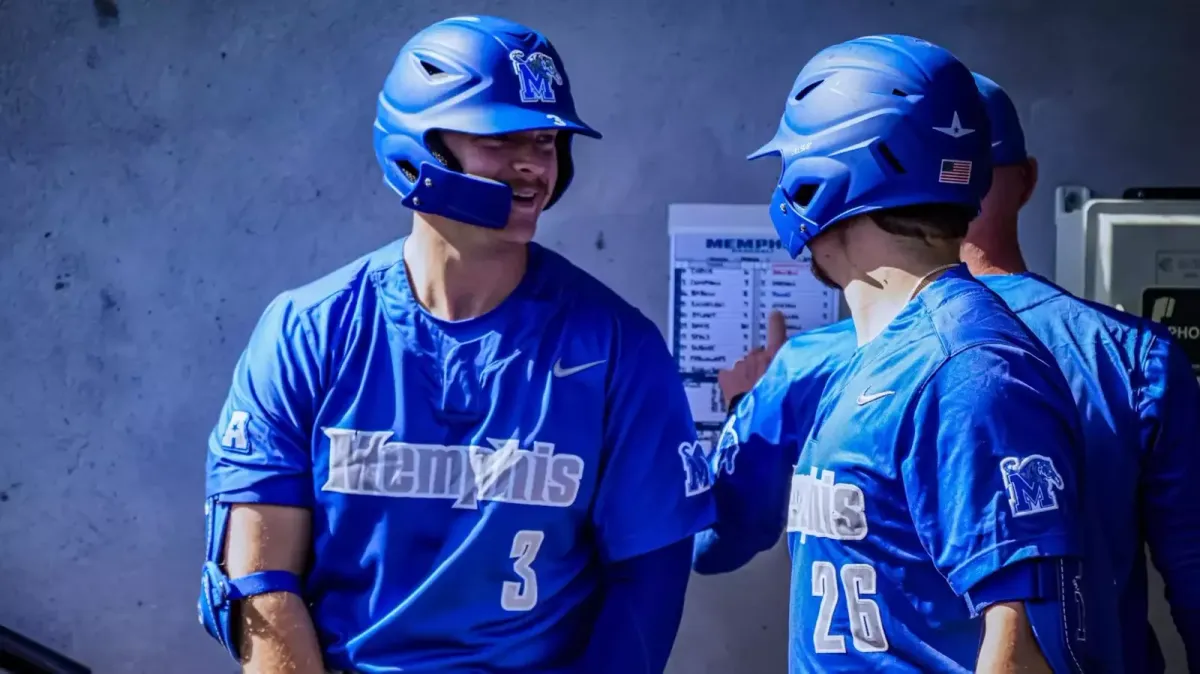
{"x":866,"y":623}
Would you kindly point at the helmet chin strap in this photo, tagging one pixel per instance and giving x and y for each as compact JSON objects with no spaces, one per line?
{"x":925,"y":280}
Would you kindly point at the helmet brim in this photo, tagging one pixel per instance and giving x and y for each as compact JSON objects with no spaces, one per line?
{"x":495,"y":120}
{"x":770,"y":148}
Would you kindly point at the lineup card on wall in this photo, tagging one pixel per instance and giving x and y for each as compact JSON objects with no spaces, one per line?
{"x":728,"y":272}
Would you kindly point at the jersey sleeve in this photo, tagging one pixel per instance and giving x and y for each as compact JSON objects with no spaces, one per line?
{"x":655,"y":488}
{"x":259,"y":450}
{"x":991,"y":470}
{"x":752,"y":469}
{"x":1169,"y":406}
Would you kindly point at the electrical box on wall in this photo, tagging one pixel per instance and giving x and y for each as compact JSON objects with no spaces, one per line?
{"x":1138,"y":255}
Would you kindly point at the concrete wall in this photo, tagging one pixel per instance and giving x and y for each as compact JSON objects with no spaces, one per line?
{"x":165,"y":172}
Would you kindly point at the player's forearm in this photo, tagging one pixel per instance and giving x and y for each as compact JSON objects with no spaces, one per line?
{"x":276,"y":633}
{"x":1009,"y":646}
{"x":278,"y":637}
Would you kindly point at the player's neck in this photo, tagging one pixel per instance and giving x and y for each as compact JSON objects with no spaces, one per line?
{"x":993,"y":250}
{"x":878,"y":296}
{"x":461,"y":278}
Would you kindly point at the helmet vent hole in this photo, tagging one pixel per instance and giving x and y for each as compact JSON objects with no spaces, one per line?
{"x":407,"y":169}
{"x":807,"y":90}
{"x":437,"y":148}
{"x":432,"y":72}
{"x":886,"y":153}
{"x":803,"y":195}
{"x":898,"y":92}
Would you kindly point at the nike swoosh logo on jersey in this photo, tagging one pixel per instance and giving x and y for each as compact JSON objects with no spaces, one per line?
{"x":560,"y":371}
{"x":864,"y":397}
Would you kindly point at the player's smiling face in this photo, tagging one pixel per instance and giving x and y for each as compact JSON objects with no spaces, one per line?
{"x":526,"y":161}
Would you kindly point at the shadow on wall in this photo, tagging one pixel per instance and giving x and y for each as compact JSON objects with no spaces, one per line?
{"x":22,"y":655}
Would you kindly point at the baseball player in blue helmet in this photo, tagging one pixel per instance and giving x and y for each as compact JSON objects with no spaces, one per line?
{"x":1131,"y":383}
{"x":459,"y":453}
{"x":927,"y":478}
{"x":1137,"y":397}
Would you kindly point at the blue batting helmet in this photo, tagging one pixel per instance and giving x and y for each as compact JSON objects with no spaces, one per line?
{"x":1008,"y":138}
{"x":479,"y":75}
{"x":877,"y":122}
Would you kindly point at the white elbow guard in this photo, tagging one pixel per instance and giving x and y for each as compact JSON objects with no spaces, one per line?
{"x":218,"y":591}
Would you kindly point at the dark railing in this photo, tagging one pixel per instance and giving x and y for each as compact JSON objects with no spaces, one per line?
{"x":1162,"y":193}
{"x":22,"y":655}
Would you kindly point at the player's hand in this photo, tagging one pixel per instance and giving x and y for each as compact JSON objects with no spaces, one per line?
{"x":750,"y":368}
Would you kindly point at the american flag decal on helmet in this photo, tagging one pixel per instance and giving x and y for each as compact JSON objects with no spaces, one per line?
{"x":955,"y":172}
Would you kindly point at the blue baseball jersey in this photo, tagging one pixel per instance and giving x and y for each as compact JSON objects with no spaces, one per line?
{"x":1139,"y":405}
{"x":1134,"y":389}
{"x":467,"y":479}
{"x":942,"y":451}
{"x":760,"y":444}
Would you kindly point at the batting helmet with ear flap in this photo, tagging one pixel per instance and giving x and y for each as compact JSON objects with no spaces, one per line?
{"x":877,"y":122}
{"x":478,"y":75}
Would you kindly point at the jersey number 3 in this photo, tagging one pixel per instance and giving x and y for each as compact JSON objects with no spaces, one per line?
{"x":522,"y":595}
{"x":866,"y":623}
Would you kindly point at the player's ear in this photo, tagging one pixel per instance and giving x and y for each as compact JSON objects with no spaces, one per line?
{"x":1030,"y":173}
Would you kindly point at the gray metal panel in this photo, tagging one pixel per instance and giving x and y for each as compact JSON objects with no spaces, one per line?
{"x":1134,"y":245}
{"x":1070,"y":253}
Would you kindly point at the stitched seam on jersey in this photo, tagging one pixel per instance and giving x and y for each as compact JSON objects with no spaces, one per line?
{"x":372,"y":276}
{"x":288,"y":332}
{"x":1062,"y":605}
{"x":1038,"y":303}
{"x":938,"y":333}
{"x":946,"y":359}
{"x":617,"y":350}
{"x":932,"y":323}
{"x":376,"y":277}
{"x":918,"y":392}
{"x":303,"y":323}
{"x":305,"y":313}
